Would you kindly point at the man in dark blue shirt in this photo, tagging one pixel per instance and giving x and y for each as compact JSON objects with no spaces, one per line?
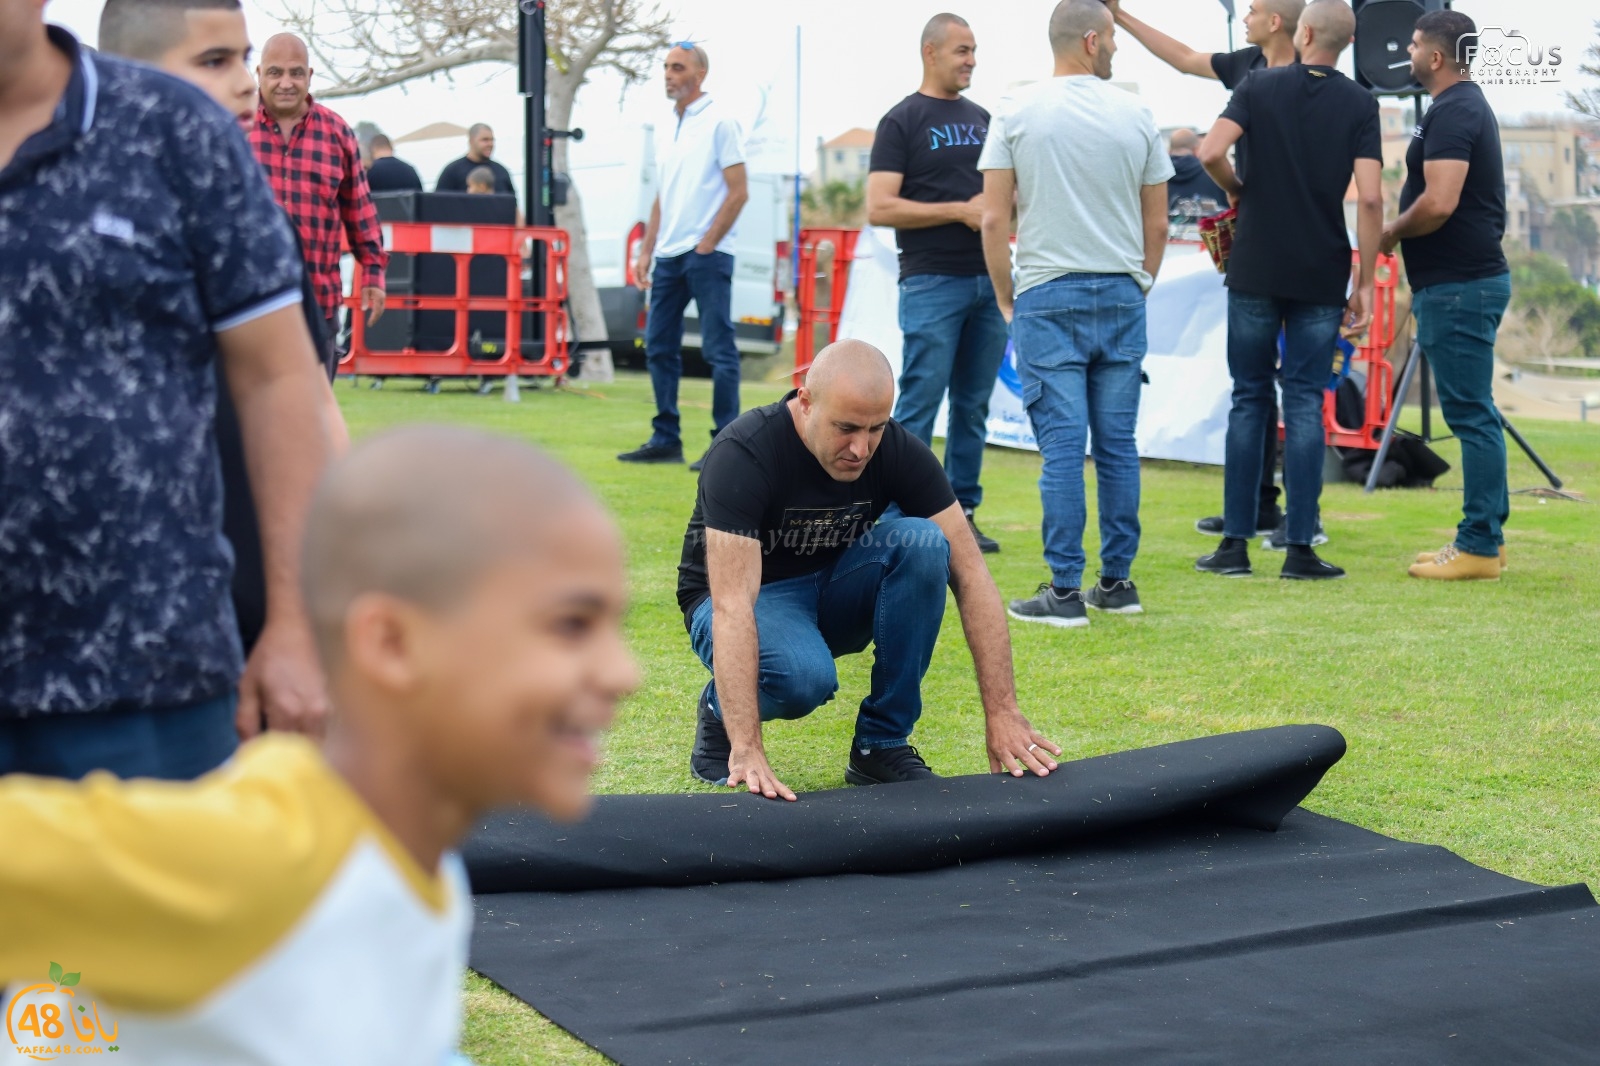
{"x":138,"y":244}
{"x":1452,"y":219}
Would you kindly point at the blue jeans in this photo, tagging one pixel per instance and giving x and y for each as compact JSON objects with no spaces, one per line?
{"x":708,"y":280}
{"x":955,"y":338}
{"x":1456,"y":325}
{"x":1309,"y":332}
{"x":173,"y":743}
{"x":1080,"y":343}
{"x":887,"y":589}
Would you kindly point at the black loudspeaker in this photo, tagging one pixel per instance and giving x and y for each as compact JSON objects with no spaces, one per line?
{"x":435,"y":275}
{"x":1383,"y":33}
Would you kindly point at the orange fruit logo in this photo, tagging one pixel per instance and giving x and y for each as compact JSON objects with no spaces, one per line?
{"x":45,"y":1021}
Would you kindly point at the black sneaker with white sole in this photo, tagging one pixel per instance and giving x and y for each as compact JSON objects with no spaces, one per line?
{"x":886,"y":766}
{"x":1051,"y":608}
{"x":1279,"y":541}
{"x":1115,"y":597}
{"x":1305,"y":566}
{"x":1231,"y":559}
{"x":1213,"y":526}
{"x":708,"y":759}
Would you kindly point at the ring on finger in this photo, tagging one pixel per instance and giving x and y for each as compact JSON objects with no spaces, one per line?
{"x":1031,"y":747}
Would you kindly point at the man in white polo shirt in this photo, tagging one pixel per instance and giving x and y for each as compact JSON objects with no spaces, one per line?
{"x":702,"y":188}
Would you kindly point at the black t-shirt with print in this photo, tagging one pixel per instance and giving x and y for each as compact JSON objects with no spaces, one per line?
{"x":934,"y":145}
{"x":1461,"y":126}
{"x":1309,"y":125}
{"x":761,"y":481}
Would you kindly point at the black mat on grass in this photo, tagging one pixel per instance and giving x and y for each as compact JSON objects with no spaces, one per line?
{"x":1130,"y":908}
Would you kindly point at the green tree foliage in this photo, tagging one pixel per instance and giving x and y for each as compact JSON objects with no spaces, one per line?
{"x":838,"y":203}
{"x":1543,"y":293}
{"x":1586,"y":101}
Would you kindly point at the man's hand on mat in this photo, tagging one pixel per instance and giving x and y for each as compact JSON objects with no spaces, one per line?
{"x":751,"y":768}
{"x":283,"y":684}
{"x":1015,"y":747}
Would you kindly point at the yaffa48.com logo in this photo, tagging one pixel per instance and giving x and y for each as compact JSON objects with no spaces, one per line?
{"x":45,"y":1021}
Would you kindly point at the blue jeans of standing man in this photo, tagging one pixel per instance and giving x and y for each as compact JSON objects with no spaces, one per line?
{"x":708,"y":280}
{"x":887,"y":589}
{"x":1309,"y":332}
{"x":171,"y":743}
{"x":1080,"y":344}
{"x":1456,"y":326}
{"x":955,"y":338}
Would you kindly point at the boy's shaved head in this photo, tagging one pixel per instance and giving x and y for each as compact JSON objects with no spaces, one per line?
{"x":1331,"y":21}
{"x":147,"y":29}
{"x":420,"y":513}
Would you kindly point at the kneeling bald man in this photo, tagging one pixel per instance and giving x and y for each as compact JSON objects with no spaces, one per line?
{"x":790,"y":560}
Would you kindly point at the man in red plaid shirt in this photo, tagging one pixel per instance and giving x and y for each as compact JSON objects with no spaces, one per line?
{"x":313,"y":164}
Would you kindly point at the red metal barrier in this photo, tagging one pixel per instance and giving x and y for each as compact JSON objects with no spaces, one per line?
{"x":498,"y":357}
{"x":805,"y":292}
{"x":1372,"y":353}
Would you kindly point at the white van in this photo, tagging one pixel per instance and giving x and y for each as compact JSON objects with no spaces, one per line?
{"x":617,"y":195}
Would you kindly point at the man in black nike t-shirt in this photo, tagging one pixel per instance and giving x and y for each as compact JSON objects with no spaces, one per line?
{"x":821,"y":526}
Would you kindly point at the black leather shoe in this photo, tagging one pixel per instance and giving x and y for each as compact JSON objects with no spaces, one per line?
{"x":986,"y":544}
{"x":1231,"y":559}
{"x":654,"y":453}
{"x":1305,"y":566}
{"x":886,"y":766}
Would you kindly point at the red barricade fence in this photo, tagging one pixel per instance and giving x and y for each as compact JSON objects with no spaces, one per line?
{"x":805,"y":292}
{"x":464,"y":357}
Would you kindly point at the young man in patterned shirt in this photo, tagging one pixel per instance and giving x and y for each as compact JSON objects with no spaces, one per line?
{"x":313,"y":163}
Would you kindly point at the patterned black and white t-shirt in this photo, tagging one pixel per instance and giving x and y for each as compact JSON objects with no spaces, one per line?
{"x":133,"y":228}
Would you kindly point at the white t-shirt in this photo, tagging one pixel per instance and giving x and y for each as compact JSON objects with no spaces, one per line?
{"x":1082,"y":149}
{"x":692,"y":151}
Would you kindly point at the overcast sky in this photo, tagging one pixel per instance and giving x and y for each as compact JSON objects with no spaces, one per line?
{"x":859,"y":57}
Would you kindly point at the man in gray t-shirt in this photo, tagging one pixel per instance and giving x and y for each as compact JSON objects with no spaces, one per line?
{"x":1089,"y":175}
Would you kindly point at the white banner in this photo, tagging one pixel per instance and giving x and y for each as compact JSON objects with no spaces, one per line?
{"x":1184,"y":411}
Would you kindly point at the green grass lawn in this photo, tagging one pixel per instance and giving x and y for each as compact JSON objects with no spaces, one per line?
{"x":1470,"y":710}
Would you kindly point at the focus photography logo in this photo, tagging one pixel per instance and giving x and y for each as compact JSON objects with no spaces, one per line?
{"x":1505,"y":57}
{"x":45,"y":1021}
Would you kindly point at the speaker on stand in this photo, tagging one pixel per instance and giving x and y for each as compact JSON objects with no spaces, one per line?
{"x":1383,"y":33}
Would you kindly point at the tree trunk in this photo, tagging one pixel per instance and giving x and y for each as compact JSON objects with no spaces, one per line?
{"x":588,"y":321}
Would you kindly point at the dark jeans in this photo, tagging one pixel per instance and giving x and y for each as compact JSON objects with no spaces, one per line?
{"x":1080,"y":343}
{"x":708,"y":280}
{"x":174,"y":743}
{"x":1456,"y":326}
{"x":955,"y":338}
{"x":888,"y":590}
{"x":1309,"y":331}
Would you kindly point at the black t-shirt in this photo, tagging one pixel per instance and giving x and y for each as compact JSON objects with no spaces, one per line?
{"x":761,"y":481}
{"x":1309,"y":125}
{"x":1458,"y":126}
{"x":1231,"y":67}
{"x":388,"y":174}
{"x":934,"y":145}
{"x":239,"y":522}
{"x":453,"y":178}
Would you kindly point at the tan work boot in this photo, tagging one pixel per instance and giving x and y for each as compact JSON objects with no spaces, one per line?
{"x":1428,"y":557}
{"x":1452,"y":564}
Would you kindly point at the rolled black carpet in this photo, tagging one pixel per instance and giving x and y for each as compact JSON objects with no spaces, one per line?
{"x":1132,"y":907}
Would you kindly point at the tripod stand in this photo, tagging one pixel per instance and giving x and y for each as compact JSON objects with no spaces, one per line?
{"x":1418,"y":360}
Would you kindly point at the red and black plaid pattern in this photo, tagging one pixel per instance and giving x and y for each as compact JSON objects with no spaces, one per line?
{"x":318,"y":178}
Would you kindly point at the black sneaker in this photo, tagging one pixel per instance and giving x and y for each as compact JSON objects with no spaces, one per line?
{"x":1279,"y":541}
{"x":654,"y":453}
{"x":1231,"y":559}
{"x":987,"y":545}
{"x":1305,"y":566}
{"x":886,"y":766}
{"x":1119,"y":597}
{"x":700,"y":463}
{"x":1051,"y":608}
{"x":708,"y":759}
{"x":1214,"y":527}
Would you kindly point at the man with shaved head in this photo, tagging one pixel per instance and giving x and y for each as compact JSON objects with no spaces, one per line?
{"x":701,"y":187}
{"x":1311,"y":129}
{"x":313,"y":163}
{"x":468,"y":595}
{"x":456,"y":175}
{"x":925,"y":183}
{"x":1189,"y":179}
{"x":821,"y":526}
{"x":1269,"y":27}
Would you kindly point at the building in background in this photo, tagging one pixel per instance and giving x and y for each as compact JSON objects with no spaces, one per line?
{"x":847,"y":158}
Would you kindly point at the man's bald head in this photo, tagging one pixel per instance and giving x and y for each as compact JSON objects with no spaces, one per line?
{"x":1183,"y":142}
{"x":1073,"y":19}
{"x":420,"y":513}
{"x":851,"y":367}
{"x":1329,"y":25}
{"x":285,"y":48}
{"x":1287,"y":10}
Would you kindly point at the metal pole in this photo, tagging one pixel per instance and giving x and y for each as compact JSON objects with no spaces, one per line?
{"x":1394,"y":415}
{"x":794,"y":237}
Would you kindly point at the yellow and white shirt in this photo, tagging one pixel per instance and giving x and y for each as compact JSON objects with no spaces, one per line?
{"x":259,"y":915}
